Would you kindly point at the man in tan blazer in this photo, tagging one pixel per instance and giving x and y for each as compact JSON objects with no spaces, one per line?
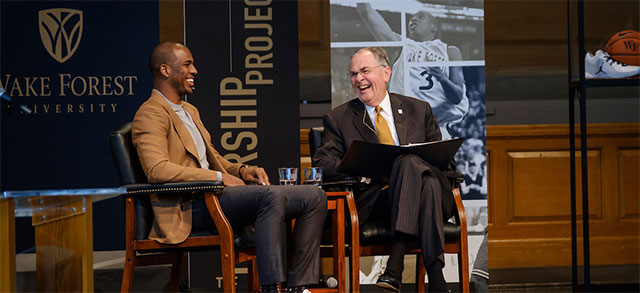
{"x":173,"y":145}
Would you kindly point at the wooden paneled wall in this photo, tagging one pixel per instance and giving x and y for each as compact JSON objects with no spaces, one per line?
{"x":171,"y":20}
{"x":529,"y":195}
{"x":305,"y":159}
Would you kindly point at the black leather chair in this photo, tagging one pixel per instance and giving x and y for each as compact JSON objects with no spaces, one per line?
{"x":141,"y":251}
{"x":374,"y":237}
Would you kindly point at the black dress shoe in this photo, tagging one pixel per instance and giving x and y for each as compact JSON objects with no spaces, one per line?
{"x":388,"y":282}
{"x":271,"y":288}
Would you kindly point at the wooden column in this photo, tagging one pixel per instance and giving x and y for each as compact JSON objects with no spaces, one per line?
{"x":7,"y":246}
{"x":171,"y":25}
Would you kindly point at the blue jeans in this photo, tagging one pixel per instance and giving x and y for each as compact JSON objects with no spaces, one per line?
{"x":268,"y":207}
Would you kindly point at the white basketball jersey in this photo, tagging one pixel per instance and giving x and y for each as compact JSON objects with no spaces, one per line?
{"x":411,"y":78}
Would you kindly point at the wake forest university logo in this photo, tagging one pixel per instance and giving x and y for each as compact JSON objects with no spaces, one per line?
{"x":60,"y":31}
{"x":60,"y":89}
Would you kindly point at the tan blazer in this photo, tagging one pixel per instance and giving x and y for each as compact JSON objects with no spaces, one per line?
{"x":168,"y":154}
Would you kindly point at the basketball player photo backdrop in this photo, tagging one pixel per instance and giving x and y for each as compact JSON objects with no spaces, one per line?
{"x":430,"y":43}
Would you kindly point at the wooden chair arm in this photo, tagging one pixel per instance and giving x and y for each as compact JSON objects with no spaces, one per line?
{"x":222,"y":224}
{"x":461,"y":216}
{"x":463,"y":256}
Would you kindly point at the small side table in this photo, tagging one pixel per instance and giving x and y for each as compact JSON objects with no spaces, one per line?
{"x":63,"y":221}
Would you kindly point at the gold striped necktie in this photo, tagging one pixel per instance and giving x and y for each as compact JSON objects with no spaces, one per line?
{"x":382,"y":128}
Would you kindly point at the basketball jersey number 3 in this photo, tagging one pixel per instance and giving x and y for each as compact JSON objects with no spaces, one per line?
{"x":428,"y":79}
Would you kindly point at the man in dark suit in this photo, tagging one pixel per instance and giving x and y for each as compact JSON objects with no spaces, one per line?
{"x":417,"y":199}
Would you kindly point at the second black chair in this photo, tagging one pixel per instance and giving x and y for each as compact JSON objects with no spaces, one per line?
{"x":374,"y":238}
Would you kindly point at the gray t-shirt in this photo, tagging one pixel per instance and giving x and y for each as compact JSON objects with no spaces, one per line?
{"x":191,"y":126}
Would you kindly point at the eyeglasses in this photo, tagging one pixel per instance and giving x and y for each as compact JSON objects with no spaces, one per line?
{"x":364,"y":71}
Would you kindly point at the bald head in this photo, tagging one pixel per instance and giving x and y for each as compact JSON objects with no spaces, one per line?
{"x":173,"y":70}
{"x":163,"y":54}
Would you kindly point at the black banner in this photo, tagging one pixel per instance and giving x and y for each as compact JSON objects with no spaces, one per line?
{"x":81,"y":67}
{"x":246,"y":53}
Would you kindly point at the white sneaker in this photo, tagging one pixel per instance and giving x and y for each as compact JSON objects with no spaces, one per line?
{"x":603,"y":66}
{"x":592,"y":65}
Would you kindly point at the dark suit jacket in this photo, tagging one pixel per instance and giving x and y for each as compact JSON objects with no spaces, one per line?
{"x":414,"y":123}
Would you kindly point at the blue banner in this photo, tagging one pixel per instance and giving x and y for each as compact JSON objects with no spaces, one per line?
{"x":81,"y":67}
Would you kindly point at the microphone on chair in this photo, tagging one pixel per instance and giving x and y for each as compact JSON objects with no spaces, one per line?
{"x":12,"y":102}
{"x":330,"y":281}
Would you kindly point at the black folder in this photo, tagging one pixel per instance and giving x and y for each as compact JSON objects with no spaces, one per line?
{"x":374,"y":160}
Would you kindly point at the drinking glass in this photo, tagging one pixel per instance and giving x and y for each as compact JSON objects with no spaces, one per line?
{"x":313,"y":176}
{"x":288,"y":176}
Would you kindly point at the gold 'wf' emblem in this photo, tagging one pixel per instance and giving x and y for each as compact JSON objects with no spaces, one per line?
{"x":60,"y":31}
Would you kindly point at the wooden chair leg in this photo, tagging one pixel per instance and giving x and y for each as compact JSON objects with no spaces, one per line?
{"x":127,"y":272}
{"x":175,"y":272}
{"x":355,"y":270}
{"x":130,"y":253}
{"x":463,"y":266}
{"x":227,"y":253}
{"x":228,"y":268}
{"x":421,"y":271}
{"x":355,"y":244}
{"x":339,"y":253}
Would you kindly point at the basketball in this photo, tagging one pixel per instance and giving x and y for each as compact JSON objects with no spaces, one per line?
{"x":624,"y":46}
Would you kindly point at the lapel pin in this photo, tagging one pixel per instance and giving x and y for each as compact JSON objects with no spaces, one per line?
{"x":400,"y":111}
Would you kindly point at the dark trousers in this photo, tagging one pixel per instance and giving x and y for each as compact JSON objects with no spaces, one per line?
{"x":420,"y":200}
{"x":268,"y":207}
